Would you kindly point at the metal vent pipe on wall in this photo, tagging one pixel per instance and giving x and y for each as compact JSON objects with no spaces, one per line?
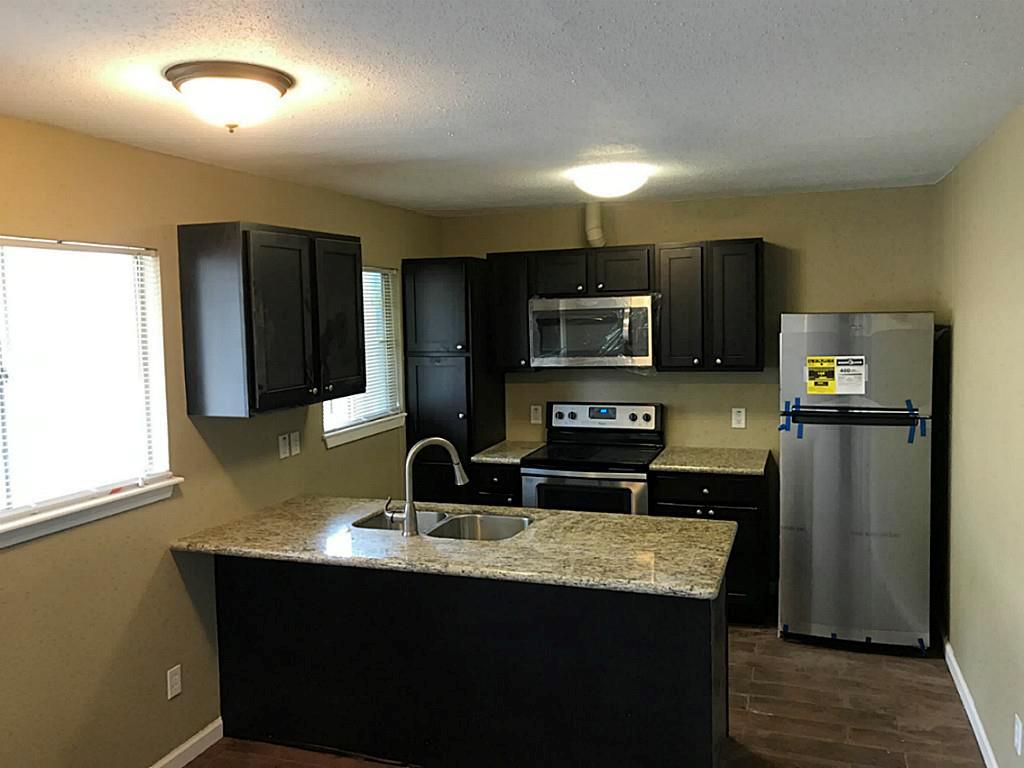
{"x":592,"y":223}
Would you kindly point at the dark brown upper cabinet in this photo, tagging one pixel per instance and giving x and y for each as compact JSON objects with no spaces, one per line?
{"x":712,"y":305}
{"x":509,"y":293}
{"x":591,"y":271}
{"x":558,"y":273}
{"x":681,"y":327}
{"x":271,"y":317}
{"x":735,"y":304}
{"x":435,"y":306}
{"x":620,"y":270}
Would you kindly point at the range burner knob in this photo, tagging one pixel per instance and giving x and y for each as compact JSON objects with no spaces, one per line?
{"x":632,"y":417}
{"x":572,"y":415}
{"x":559,"y":416}
{"x":647,"y":417}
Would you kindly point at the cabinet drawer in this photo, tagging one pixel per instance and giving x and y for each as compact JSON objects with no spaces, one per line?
{"x":496,"y":478}
{"x":703,"y":488}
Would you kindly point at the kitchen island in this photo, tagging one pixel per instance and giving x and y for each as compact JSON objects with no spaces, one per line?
{"x":586,"y":639}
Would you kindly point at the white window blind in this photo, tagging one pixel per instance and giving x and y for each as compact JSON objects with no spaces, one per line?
{"x":82,"y":403}
{"x":383,"y":395}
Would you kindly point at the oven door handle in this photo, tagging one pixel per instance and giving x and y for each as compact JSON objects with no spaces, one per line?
{"x":634,"y":476}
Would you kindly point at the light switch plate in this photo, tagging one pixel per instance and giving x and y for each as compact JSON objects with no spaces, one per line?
{"x":295,"y":444}
{"x":173,"y":681}
{"x":536,"y":414}
{"x":739,"y":418}
{"x":284,"y":449}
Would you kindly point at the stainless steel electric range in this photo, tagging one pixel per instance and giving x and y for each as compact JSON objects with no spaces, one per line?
{"x":595,"y":459}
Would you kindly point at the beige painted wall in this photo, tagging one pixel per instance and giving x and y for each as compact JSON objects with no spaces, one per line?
{"x":982,"y":215}
{"x":91,"y":618}
{"x":862,"y":250}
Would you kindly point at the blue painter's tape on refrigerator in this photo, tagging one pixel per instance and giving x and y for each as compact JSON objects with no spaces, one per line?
{"x":784,"y":427}
{"x":924,"y":431}
{"x":799,"y":426}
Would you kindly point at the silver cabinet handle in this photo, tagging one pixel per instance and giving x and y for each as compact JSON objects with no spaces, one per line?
{"x":458,"y":346}
{"x":711,"y":512}
{"x":522,"y":362}
{"x":462,"y":415}
{"x":700,"y":511}
{"x":718,"y":361}
{"x":579,"y":287}
{"x":600,"y":286}
{"x":696,"y":361}
{"x":494,"y":479}
{"x":705,"y":491}
{"x":313,"y":390}
{"x":329,"y":387}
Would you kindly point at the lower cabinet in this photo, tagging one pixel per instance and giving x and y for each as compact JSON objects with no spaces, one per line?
{"x":435,"y":481}
{"x":752,"y":503}
{"x":496,"y":485}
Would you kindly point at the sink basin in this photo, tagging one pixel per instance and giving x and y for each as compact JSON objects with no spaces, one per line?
{"x":480,"y":527}
{"x":385,"y":522}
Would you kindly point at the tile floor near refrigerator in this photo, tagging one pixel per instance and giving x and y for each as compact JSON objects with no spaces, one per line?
{"x":791,"y":706}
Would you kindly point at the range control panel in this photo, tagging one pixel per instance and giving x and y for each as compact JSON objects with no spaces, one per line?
{"x":639,"y":416}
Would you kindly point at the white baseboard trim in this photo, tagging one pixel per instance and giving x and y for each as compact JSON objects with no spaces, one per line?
{"x":183,"y":754}
{"x":972,"y":713}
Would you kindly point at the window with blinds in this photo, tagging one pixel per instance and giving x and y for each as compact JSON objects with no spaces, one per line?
{"x":83,"y":411}
{"x":382,"y":399}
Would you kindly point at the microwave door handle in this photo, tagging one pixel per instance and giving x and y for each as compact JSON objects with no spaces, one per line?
{"x":625,"y":329}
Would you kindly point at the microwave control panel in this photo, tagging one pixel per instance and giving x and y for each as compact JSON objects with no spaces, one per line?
{"x":635,"y":416}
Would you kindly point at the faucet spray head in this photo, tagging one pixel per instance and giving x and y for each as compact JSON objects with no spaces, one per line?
{"x":460,"y":474}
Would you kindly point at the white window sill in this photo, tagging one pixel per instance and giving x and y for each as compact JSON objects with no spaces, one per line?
{"x":74,"y":513}
{"x":360,"y":431}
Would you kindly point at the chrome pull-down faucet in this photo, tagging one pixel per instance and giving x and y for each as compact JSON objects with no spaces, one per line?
{"x":409,"y":526}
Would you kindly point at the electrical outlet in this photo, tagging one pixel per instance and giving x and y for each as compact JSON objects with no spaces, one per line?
{"x":1018,"y":734}
{"x":739,"y":418}
{"x":536,"y":414}
{"x":173,"y":681}
{"x":284,"y":449}
{"x":295,"y":443}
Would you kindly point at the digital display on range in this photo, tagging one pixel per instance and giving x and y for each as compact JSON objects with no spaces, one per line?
{"x":602,"y":412}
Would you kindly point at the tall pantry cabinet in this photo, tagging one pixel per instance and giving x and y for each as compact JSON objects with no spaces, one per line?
{"x":452,"y":390}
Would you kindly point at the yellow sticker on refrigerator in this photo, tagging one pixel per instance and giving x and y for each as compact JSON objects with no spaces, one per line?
{"x":835,"y":375}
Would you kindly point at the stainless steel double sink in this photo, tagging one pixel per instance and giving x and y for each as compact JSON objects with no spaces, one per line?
{"x":471,"y":526}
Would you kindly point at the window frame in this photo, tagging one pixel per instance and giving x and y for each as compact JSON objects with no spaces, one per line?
{"x":59,"y":514}
{"x":392,"y":421}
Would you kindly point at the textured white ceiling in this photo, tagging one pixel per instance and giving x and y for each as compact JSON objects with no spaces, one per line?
{"x":453,"y":104}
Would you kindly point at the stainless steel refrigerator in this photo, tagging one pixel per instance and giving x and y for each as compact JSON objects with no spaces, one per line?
{"x":855,"y":399}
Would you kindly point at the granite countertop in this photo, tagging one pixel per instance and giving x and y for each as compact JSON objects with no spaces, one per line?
{"x":717,"y":461}
{"x":652,"y":555}
{"x":506,"y":452}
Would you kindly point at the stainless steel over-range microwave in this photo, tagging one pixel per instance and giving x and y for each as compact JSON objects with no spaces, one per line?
{"x":607,"y":331}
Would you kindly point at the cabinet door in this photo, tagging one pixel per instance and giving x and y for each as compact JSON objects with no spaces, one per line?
{"x":745,"y":577}
{"x":281,"y":320}
{"x":339,"y":290}
{"x":509,"y":296}
{"x":620,"y":270}
{"x":681,"y":281}
{"x":434,"y":295}
{"x":437,"y":391}
{"x":559,"y":273}
{"x":734,"y":305}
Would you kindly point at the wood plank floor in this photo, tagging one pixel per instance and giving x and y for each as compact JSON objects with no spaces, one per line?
{"x":791,"y":706}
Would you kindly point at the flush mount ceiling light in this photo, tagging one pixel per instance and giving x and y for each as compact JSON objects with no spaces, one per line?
{"x":610,"y":179}
{"x":230,"y":93}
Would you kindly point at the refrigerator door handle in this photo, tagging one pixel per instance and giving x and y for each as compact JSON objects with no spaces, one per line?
{"x":865,"y":419}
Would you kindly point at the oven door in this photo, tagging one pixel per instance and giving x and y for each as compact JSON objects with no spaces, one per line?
{"x":622,"y":492}
{"x":591,"y":333}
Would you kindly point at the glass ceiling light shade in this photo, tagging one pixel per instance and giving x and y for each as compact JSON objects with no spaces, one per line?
{"x":610,"y":179}
{"x":231,"y":94}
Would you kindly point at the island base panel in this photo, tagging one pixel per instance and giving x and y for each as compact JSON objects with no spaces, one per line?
{"x":443,"y":671}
